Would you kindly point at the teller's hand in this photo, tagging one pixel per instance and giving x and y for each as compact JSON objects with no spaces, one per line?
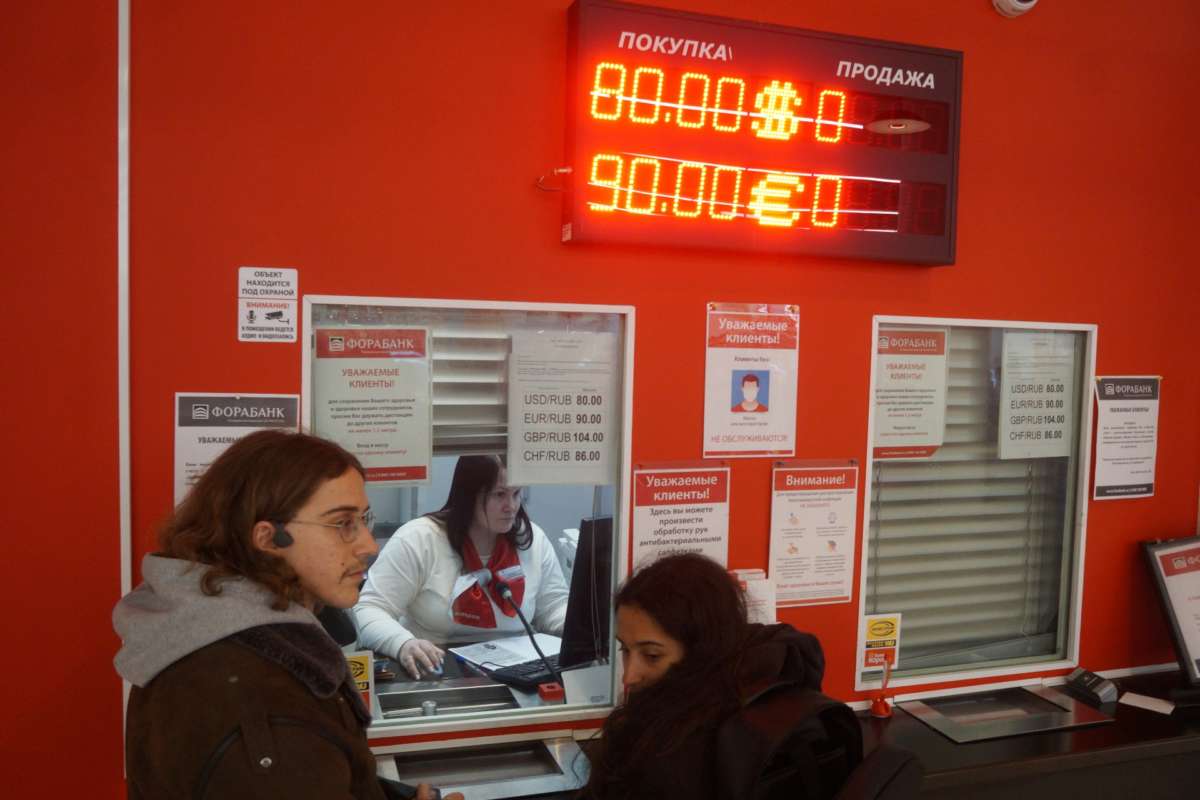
{"x":419,"y":654}
{"x":426,"y":793}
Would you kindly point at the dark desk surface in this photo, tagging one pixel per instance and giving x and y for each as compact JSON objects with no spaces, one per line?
{"x":1140,"y":754}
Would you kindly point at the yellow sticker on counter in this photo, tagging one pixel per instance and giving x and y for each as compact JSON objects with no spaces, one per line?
{"x":362,"y":672}
{"x":881,"y":640}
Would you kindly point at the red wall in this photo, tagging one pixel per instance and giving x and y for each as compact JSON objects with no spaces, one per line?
{"x":393,"y":152}
{"x":391,"y":149}
{"x":60,"y":574}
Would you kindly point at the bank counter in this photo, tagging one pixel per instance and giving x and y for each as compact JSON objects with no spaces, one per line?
{"x":459,"y":689}
{"x":542,"y":767}
{"x":1141,"y":754}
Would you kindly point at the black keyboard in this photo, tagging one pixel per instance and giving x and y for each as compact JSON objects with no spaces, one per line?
{"x":526,"y":676}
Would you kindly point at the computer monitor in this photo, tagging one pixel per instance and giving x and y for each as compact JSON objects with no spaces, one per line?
{"x":589,"y":605}
{"x":1175,"y":564}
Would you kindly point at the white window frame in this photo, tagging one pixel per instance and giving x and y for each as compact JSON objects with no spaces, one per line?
{"x":497,"y":726}
{"x":872,"y":680}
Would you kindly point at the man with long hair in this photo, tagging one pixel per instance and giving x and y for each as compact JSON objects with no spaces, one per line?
{"x":238,"y":692}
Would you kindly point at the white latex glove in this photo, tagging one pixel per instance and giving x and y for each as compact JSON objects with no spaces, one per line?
{"x":418,"y":654}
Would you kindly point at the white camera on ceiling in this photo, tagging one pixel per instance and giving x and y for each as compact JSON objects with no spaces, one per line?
{"x":1013,"y":8}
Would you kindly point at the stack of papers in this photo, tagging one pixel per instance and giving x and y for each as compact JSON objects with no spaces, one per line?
{"x":508,"y":651}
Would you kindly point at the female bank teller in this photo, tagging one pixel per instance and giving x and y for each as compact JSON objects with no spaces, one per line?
{"x":436,"y":579}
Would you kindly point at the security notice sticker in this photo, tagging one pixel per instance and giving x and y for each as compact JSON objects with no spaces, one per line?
{"x":205,"y":424}
{"x":562,"y":404}
{"x":750,"y":380}
{"x":267,"y":304}
{"x":362,"y":672}
{"x":1037,"y":376}
{"x":681,"y":510}
{"x":372,"y":395}
{"x":1126,"y":436}
{"x":881,"y":635}
{"x":813,"y":532}
{"x":910,"y":392}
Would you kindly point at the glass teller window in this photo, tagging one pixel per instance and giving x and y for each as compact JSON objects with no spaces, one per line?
{"x":977,"y":468}
{"x":409,"y":386}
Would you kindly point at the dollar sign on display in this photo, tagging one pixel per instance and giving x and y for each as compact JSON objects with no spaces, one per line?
{"x":775,"y":102}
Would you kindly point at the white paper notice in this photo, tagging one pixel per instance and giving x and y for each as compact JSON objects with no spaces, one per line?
{"x":1180,"y":566}
{"x":371,"y":394}
{"x":267,"y":304}
{"x":1126,"y":436}
{"x":588,"y":685}
{"x":508,"y":651}
{"x":205,"y":424}
{"x":813,"y":527}
{"x":562,"y":402}
{"x":760,"y":600}
{"x":910,"y":392}
{"x":750,"y":380}
{"x":1154,"y":704}
{"x":1036,"y":380}
{"x":684,"y":510}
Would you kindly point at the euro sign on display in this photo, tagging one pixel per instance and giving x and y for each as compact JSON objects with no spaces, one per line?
{"x":775,"y":103}
{"x":771,"y":203}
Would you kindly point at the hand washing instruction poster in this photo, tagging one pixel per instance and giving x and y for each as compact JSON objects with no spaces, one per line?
{"x":1126,"y":436}
{"x":813,"y":527}
{"x":681,"y":510}
{"x":372,"y":395}
{"x":910,"y":392}
{"x":205,"y":424}
{"x":750,"y":380}
{"x":562,"y":402}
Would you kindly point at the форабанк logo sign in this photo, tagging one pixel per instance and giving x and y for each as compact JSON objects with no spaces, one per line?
{"x":1185,"y":561}
{"x":1137,"y":388}
{"x":237,"y":411}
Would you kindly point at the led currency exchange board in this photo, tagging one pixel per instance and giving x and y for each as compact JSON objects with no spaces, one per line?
{"x":702,"y":131}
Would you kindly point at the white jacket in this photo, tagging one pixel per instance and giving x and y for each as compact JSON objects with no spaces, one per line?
{"x":408,"y":592}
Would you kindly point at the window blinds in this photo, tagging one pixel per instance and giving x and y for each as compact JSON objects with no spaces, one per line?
{"x":470,"y":391}
{"x":968,"y":547}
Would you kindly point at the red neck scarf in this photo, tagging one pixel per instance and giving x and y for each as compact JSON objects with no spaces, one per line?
{"x":472,"y":607}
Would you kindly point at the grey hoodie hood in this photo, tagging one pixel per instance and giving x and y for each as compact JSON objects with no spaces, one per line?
{"x":168,"y":616}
